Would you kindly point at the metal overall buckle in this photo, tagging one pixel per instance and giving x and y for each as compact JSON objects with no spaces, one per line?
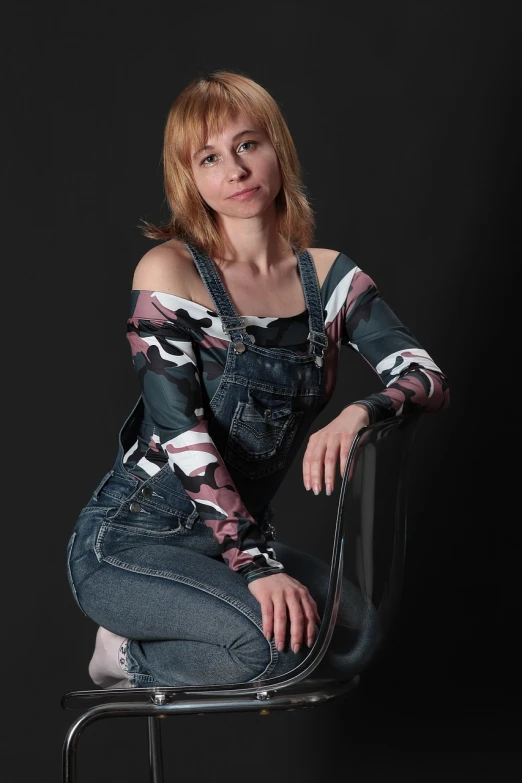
{"x":267,"y":528}
{"x":270,"y":530}
{"x":318,"y":355}
{"x":239,"y":345}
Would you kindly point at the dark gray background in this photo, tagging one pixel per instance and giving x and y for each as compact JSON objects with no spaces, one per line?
{"x":405,"y":117}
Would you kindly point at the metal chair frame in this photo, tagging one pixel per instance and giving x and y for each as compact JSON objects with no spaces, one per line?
{"x":296,"y":689}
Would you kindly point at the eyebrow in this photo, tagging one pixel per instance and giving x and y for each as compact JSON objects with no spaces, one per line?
{"x":211,"y":146}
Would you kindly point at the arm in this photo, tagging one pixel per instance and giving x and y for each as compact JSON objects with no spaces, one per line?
{"x":413,"y":381}
{"x":164,"y":358}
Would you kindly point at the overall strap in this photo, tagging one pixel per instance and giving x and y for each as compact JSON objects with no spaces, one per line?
{"x":312,"y":292}
{"x":232,"y":323}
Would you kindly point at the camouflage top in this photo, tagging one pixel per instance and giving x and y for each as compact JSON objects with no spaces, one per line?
{"x":179,"y":351}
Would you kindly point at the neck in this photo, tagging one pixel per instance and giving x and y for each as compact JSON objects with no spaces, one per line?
{"x":253,"y":242}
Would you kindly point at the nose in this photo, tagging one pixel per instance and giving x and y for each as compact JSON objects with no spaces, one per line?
{"x":237,"y":169}
{"x":238,"y":175}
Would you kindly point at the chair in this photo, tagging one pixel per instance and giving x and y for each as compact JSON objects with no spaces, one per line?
{"x":368,"y":548}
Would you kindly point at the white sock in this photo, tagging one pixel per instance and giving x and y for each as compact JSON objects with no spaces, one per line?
{"x":107,"y":667}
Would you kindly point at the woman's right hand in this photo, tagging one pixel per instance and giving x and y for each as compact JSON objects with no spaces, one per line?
{"x":280,"y":595}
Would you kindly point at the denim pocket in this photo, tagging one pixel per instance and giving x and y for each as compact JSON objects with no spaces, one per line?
{"x":69,"y":573}
{"x":261,"y":433}
{"x":102,"y":484}
{"x":137,"y":517}
{"x":129,"y":538}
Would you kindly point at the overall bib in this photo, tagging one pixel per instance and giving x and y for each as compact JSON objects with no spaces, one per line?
{"x":142,"y":563}
{"x":267,"y":397}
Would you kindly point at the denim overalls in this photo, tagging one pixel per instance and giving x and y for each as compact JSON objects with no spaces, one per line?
{"x":140,"y":546}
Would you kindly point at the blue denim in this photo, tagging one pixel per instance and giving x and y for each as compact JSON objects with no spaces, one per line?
{"x":142,"y":563}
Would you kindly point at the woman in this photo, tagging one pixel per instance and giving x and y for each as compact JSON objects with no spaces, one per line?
{"x":235,"y":328}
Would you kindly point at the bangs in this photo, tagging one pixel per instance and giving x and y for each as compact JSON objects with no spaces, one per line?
{"x":209,"y":111}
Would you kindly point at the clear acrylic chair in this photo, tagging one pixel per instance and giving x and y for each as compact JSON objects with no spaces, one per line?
{"x":368,"y":548}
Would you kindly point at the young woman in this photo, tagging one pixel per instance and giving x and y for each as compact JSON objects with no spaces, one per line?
{"x":235,"y":327}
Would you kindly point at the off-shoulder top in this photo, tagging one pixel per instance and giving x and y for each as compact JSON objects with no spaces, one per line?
{"x":179,"y":351}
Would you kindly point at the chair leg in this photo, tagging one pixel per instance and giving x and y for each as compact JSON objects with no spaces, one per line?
{"x":155,"y":750}
{"x":70,"y":746}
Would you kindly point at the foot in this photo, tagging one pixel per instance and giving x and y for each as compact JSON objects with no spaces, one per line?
{"x":107,"y":665}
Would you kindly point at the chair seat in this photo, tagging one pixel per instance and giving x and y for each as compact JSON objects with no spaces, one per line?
{"x":80,"y":699}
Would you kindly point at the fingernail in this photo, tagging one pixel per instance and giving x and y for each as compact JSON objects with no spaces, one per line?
{"x":328,"y":489}
{"x":307,"y":485}
{"x":316,"y":489}
{"x":268,"y":637}
{"x":280,"y":647}
{"x":310,"y":641}
{"x":296,"y":648}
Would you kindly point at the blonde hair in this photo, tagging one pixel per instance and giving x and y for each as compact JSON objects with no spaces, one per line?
{"x":201,"y":110}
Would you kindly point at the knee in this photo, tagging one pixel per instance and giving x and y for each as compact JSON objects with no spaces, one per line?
{"x":252,"y":656}
{"x":260,"y":659}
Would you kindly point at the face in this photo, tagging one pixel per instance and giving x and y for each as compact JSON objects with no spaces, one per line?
{"x":240,"y":158}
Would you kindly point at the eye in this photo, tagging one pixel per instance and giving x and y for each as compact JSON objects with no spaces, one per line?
{"x":241,"y":145}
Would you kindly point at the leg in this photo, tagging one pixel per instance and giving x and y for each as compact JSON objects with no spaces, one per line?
{"x":189,"y":618}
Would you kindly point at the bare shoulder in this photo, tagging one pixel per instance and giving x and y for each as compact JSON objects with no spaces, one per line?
{"x":323,"y":259}
{"x":166,"y":267}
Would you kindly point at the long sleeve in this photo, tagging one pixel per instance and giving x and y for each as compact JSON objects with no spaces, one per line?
{"x":413,"y":382}
{"x":165,"y":361}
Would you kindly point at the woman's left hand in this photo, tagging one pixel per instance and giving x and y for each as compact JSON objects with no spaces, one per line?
{"x":332,"y":443}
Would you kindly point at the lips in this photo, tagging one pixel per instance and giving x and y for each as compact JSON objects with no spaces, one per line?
{"x":244,"y":191}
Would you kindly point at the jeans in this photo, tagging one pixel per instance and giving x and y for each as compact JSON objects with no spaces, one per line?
{"x":152,"y":571}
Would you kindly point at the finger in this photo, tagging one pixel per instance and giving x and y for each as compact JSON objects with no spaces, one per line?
{"x":310,"y":624}
{"x":307,"y":466}
{"x":330,"y":461}
{"x":343,"y":458}
{"x":280,"y":619}
{"x":316,"y":466}
{"x":346,"y":443}
{"x":297,"y":621}
{"x":267,"y":611}
{"x":315,"y":610}
{"x":311,"y":615}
